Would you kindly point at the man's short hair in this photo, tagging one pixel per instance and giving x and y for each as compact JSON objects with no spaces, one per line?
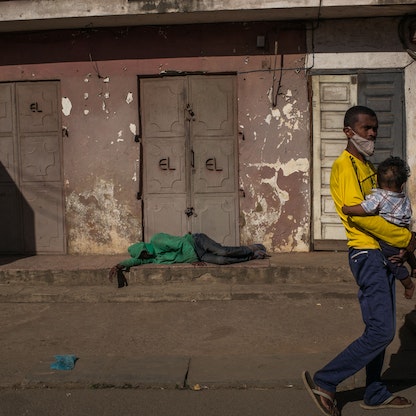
{"x":351,"y":116}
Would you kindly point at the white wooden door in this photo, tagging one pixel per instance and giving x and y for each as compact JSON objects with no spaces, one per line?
{"x":332,"y":96}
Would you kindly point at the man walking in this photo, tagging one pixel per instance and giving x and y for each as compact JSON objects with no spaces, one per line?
{"x":352,"y":178}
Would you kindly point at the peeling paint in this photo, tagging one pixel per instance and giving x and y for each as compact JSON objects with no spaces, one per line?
{"x":288,"y":168}
{"x":105,"y":225}
{"x":86,"y":112}
{"x":120,"y":138}
{"x":295,"y":241}
{"x":133,"y":128}
{"x":66,"y":106}
{"x":270,"y":205}
{"x":295,"y":165}
{"x":136,"y":168}
{"x":129,"y":98}
{"x":289,"y":116}
{"x":86,"y":96}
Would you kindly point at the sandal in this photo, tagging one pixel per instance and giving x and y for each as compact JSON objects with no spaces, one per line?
{"x":387,"y":404}
{"x":330,"y":408}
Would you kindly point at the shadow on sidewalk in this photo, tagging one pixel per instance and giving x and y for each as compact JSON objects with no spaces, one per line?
{"x":402,"y":366}
{"x":4,"y":259}
{"x":17,"y":219}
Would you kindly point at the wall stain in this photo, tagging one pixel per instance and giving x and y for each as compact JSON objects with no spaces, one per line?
{"x":99,"y":224}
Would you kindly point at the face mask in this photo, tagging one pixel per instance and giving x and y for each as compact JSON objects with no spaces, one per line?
{"x":364,"y":146}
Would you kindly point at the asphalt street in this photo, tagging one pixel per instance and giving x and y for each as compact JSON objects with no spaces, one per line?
{"x":202,"y":343}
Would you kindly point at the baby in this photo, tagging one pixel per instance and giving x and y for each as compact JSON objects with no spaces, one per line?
{"x":390,"y":202}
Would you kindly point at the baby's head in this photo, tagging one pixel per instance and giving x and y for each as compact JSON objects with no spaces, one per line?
{"x":392,"y":173}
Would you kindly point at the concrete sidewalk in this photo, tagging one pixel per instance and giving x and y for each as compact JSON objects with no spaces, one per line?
{"x":71,"y":270}
{"x":85,"y":278}
{"x":250,"y":325}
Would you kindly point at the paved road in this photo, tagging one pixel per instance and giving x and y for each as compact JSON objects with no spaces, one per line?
{"x":246,"y":355}
{"x":224,"y":402}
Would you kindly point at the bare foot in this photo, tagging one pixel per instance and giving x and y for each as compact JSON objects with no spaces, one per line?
{"x":400,"y":402}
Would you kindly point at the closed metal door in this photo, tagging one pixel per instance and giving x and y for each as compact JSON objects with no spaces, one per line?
{"x":189,"y":156}
{"x":30,"y":149}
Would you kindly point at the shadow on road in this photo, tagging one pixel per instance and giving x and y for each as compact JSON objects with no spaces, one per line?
{"x":401,"y":371}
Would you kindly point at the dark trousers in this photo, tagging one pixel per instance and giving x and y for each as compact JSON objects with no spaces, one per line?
{"x":210,"y":251}
{"x":377,"y":300}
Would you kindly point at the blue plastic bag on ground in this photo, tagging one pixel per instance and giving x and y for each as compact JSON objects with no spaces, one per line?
{"x":64,"y":362}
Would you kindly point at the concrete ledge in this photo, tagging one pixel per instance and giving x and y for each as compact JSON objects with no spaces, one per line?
{"x":317,"y":267}
{"x":171,"y":292}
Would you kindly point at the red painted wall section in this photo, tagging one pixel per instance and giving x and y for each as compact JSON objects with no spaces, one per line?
{"x":100,"y":117}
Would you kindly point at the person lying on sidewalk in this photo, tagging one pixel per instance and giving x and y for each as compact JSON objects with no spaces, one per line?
{"x":390,"y":202}
{"x":191,"y":248}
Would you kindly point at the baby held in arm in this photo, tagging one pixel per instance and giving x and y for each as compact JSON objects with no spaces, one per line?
{"x":390,"y":202}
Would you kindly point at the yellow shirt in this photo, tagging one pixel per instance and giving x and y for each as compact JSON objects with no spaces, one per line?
{"x":351,"y":180}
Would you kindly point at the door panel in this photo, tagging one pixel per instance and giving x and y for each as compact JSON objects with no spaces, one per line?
{"x":40,"y":158}
{"x":214,"y":166}
{"x":212,"y":101}
{"x":37,"y":107}
{"x":43,"y":218}
{"x":10,"y":198}
{"x":8,"y":159}
{"x":383,"y":92}
{"x":10,"y":219}
{"x":214,"y":179}
{"x":6,"y":108}
{"x":30,"y":168}
{"x":165,"y":166}
{"x":8,"y":142}
{"x":166,"y":214}
{"x":332,"y":96}
{"x":163,"y":104}
{"x":164,"y":171}
{"x":189,"y":148}
{"x":215,"y":217}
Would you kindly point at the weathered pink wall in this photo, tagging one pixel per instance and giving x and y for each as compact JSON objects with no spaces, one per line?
{"x":100,"y":114}
{"x":275,"y":157}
